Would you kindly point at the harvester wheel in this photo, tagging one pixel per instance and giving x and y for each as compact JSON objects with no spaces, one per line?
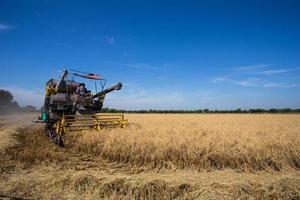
{"x":56,"y":138}
{"x":59,"y":141}
{"x":56,"y":132}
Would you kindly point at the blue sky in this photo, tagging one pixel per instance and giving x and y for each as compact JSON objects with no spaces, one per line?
{"x":168,"y":54}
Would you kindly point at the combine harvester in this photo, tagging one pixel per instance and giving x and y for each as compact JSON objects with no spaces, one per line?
{"x":65,"y":110}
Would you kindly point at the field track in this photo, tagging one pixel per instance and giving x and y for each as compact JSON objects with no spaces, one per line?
{"x":31,"y":167}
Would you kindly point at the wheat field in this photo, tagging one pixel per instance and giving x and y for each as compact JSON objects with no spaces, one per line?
{"x":158,"y":156}
{"x":200,"y":142}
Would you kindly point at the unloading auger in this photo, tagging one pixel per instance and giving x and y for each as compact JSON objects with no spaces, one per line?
{"x":65,"y":110}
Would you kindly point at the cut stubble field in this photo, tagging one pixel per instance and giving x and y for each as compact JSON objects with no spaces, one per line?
{"x":161,"y":156}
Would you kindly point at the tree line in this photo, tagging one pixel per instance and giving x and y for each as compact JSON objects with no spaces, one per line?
{"x":238,"y":110}
{"x":9,"y":105}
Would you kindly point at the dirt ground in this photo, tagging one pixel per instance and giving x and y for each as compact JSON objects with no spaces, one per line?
{"x":32,"y":167}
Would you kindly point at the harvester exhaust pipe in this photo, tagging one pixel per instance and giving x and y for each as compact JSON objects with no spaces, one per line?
{"x":117,"y":86}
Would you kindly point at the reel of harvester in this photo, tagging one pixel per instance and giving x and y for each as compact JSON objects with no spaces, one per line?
{"x":69,"y":107}
{"x":86,"y":122}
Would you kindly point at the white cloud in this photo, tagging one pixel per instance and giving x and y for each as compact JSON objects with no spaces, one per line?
{"x":279,"y":85}
{"x":135,"y":98}
{"x":141,"y":66}
{"x":255,"y":82}
{"x":5,"y":27}
{"x":219,"y":80}
{"x":247,"y":82}
{"x":276,"y":71}
{"x":255,"y":76}
{"x":110,"y":40}
{"x":263,"y":69}
{"x":252,"y":67}
{"x":26,"y":96}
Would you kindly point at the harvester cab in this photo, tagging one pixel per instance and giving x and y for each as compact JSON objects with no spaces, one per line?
{"x":70,"y":107}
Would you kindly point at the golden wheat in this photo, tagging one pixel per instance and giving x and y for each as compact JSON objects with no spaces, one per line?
{"x":215,"y":141}
{"x":258,"y":155}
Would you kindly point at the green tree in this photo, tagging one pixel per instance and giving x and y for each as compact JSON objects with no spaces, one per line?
{"x":206,"y":110}
{"x":6,"y":97}
{"x":29,"y":108}
{"x":238,"y":110}
{"x":7,"y":103}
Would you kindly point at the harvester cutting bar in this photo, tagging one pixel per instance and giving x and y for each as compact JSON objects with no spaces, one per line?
{"x":95,"y":121}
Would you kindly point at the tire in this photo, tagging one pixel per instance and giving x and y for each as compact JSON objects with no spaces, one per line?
{"x":56,"y":138}
{"x":60,"y":141}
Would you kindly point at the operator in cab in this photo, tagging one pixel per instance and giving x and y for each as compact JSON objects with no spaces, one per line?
{"x":82,"y":91}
